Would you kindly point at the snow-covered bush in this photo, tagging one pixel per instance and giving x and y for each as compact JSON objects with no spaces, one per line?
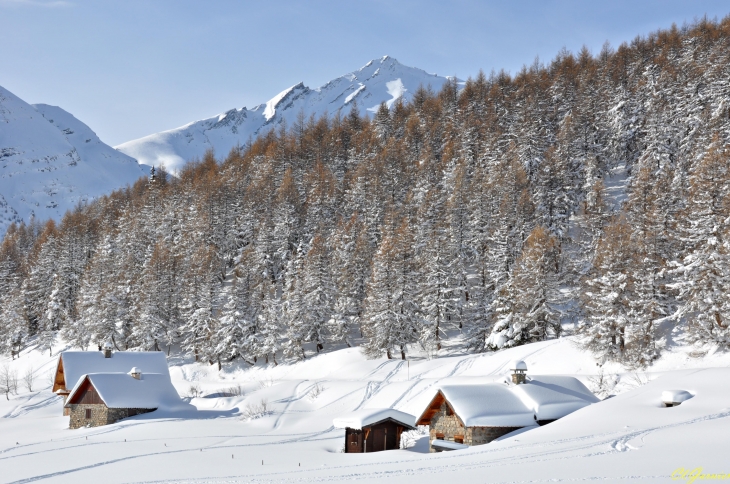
{"x":194,"y":391}
{"x":233,"y":391}
{"x":602,"y":384}
{"x":316,"y":391}
{"x":253,"y":411}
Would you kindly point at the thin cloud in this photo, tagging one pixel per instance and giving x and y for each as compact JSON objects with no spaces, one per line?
{"x":36,"y":3}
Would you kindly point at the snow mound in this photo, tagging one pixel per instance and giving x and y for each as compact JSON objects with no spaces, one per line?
{"x":447,"y":445}
{"x":675,"y":396}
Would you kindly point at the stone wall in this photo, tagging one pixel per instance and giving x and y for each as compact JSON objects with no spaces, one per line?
{"x":483,"y":435}
{"x":447,"y":424}
{"x":100,"y":415}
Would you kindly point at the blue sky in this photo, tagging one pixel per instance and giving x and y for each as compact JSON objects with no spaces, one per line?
{"x":134,"y":67}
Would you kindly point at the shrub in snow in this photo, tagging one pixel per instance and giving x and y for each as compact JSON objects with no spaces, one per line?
{"x":29,"y":379}
{"x":194,"y":391}
{"x":602,"y":385}
{"x":8,"y":381}
{"x":266,"y":383}
{"x":316,"y":391}
{"x":233,"y":391}
{"x":253,"y":411}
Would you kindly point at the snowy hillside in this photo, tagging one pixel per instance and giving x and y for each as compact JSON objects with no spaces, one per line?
{"x":381,"y":80}
{"x":50,"y":161}
{"x":627,"y":438}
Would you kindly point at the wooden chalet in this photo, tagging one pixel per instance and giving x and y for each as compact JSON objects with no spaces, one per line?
{"x":374,"y":430}
{"x":463,"y":415}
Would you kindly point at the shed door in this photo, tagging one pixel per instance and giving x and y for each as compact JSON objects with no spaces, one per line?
{"x":378,"y":439}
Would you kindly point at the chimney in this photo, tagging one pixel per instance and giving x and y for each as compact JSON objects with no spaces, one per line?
{"x":136,"y":373}
{"x":107,"y":348}
{"x":519,"y":371}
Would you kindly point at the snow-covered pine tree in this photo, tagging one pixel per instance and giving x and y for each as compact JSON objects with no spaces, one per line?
{"x":318,"y":293}
{"x":352,"y":253}
{"x":703,"y":278}
{"x":613,"y":330}
{"x":392,"y":319}
{"x":531,"y":294}
{"x":200,"y":329}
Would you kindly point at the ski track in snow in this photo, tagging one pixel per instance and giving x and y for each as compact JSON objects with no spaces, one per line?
{"x":373,"y":387}
{"x":27,"y":407}
{"x":553,"y":452}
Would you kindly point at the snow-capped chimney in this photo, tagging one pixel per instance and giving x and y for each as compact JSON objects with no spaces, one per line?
{"x":136,"y":373}
{"x":107,"y":348}
{"x":519,"y":371}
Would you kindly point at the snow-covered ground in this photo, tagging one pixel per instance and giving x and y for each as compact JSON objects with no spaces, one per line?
{"x":280,"y":429}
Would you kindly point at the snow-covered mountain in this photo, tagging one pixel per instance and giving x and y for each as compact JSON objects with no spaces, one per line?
{"x":381,"y":80}
{"x":50,"y":161}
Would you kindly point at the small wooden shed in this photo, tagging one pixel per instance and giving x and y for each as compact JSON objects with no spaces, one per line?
{"x":104,"y":398}
{"x":374,"y":429}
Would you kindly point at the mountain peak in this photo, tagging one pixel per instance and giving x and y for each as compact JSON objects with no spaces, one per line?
{"x":50,"y":161}
{"x":381,"y":80}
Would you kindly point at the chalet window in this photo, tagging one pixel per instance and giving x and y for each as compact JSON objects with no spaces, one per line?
{"x":459,"y":439}
{"x":88,"y":413}
{"x":439,"y":435}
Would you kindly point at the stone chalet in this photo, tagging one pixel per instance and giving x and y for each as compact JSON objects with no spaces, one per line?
{"x":100,"y":388}
{"x":72,"y":365}
{"x":473,"y":414}
{"x":104,"y":398}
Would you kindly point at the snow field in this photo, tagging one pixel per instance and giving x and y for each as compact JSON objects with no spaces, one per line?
{"x":627,"y":438}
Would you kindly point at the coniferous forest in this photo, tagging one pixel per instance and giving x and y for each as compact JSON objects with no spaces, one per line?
{"x":588,"y":196}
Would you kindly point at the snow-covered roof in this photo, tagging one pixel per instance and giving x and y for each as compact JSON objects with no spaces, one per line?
{"x":369,"y":416}
{"x":78,"y":363}
{"x":500,"y":405}
{"x":120,"y":390}
{"x":488,"y":405}
{"x":553,"y":397}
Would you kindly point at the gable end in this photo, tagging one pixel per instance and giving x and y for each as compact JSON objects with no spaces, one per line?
{"x":434,"y":407}
{"x":86,"y":394}
{"x":59,"y":380}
